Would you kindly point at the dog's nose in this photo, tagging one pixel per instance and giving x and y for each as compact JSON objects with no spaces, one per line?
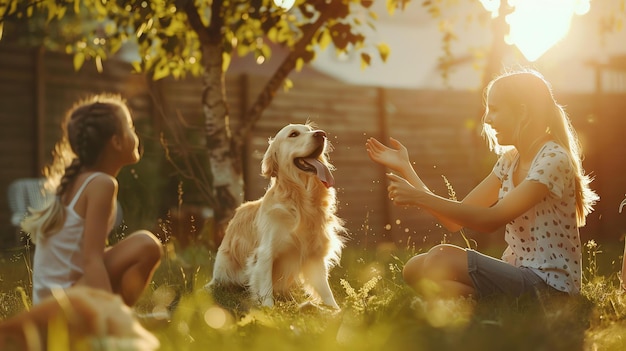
{"x":319,"y":134}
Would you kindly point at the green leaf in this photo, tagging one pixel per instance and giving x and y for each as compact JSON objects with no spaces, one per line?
{"x":266,"y":51}
{"x":162,"y":70}
{"x":225,"y":61}
{"x":177,"y":72}
{"x":52,"y":10}
{"x":79,"y":59}
{"x":299,"y":64}
{"x":136,"y":66}
{"x":391,"y":7}
{"x":99,"y":66}
{"x":272,"y":34}
{"x":383,"y":50}
{"x":13,"y":8}
{"x":325,"y":39}
{"x":365,"y":60}
{"x":100,"y":9}
{"x":242,"y":50}
{"x":61,"y":12}
{"x":288,"y":84}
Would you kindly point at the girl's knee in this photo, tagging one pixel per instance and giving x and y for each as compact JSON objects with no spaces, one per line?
{"x":445,"y":261}
{"x":411,"y":272}
{"x":148,"y":245}
{"x":442,"y":254}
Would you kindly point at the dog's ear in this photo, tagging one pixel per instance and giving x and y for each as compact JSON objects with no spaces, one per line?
{"x":269,"y":165}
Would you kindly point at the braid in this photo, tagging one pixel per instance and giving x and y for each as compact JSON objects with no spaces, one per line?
{"x":90,"y":129}
{"x":81,"y":142}
{"x":69,"y":175}
{"x":86,"y":129}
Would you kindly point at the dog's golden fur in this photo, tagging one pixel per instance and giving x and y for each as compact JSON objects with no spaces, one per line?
{"x":291,"y":235}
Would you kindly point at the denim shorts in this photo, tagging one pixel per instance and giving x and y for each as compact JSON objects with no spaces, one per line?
{"x":493,"y":277}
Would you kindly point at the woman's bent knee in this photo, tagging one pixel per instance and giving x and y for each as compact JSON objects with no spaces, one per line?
{"x":411,"y":272}
{"x":444,"y":254}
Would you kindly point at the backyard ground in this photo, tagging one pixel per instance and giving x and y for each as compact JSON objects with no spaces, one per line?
{"x":378,"y":310}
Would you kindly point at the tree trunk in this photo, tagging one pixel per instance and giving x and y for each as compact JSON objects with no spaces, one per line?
{"x":224,"y":160}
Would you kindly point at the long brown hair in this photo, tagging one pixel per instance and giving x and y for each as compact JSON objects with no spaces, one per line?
{"x":529,"y":88}
{"x":86,"y":128}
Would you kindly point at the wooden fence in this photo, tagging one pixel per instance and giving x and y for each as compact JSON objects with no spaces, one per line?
{"x":440,"y":128}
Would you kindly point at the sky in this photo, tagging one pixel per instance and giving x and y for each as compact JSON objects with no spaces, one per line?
{"x":415,"y":43}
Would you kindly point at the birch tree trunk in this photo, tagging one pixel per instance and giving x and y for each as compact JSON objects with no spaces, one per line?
{"x":224,"y":160}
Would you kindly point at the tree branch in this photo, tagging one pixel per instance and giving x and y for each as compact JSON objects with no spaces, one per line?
{"x":286,"y":67}
{"x":194,"y":19}
{"x":23,"y":9}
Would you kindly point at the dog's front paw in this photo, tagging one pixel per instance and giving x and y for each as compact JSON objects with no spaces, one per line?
{"x":329,"y":301}
{"x":311,"y":307}
{"x":332,"y":305}
{"x":267,"y":301}
{"x":210,"y":285}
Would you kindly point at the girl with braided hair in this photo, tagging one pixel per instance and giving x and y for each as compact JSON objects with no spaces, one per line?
{"x":71,"y":232}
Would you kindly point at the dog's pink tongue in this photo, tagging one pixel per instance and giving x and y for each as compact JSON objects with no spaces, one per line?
{"x":323,"y":173}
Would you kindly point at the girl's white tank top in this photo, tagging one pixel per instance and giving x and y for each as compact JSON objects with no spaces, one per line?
{"x":58,"y":258}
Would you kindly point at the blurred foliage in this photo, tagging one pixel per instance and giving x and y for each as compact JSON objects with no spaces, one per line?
{"x":168,"y":42}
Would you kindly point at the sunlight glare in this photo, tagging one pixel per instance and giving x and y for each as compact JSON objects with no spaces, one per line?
{"x":537,"y":25}
{"x":215,"y":317}
{"x":284,"y":4}
{"x":491,"y":6}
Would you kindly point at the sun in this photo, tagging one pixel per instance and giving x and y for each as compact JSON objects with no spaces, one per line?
{"x":537,"y":25}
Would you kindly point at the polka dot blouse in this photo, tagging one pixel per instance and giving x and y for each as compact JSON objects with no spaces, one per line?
{"x":545,"y":238}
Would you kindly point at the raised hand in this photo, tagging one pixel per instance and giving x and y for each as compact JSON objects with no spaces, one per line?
{"x":395,"y":157}
{"x":401,"y":192}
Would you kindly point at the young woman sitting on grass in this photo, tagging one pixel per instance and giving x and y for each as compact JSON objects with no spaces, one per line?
{"x":71,"y":232}
{"x":537,"y":188}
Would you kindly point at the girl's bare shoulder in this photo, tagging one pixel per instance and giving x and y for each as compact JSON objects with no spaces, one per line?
{"x":102,"y":184}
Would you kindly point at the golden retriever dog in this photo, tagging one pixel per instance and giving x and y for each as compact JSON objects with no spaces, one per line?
{"x":291,"y":236}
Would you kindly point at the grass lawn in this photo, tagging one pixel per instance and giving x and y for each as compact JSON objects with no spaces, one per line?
{"x":378,"y":311}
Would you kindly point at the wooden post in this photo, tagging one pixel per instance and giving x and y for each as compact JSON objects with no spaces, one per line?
{"x":383,"y":136}
{"x":40,"y":108}
{"x":244,"y":96}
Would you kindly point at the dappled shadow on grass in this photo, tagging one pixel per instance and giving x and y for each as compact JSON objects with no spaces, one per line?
{"x":514,"y":324}
{"x":379,"y":312}
{"x":382,"y":314}
{"x":230,"y":297}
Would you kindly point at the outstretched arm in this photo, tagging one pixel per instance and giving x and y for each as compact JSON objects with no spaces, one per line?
{"x":396,"y":158}
{"x":479,"y":210}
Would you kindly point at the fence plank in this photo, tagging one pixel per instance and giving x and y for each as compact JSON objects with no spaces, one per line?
{"x":440,"y":129}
